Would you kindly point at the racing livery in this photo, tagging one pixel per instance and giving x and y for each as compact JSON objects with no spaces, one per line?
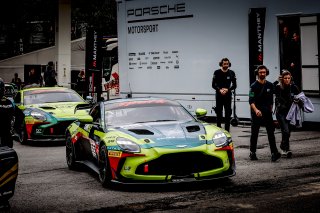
{"x":48,"y":112}
{"x":149,"y":140}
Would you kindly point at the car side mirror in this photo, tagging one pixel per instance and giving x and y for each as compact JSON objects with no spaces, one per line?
{"x":97,"y":126}
{"x":87,"y":119}
{"x":200,"y":113}
{"x":89,"y":99}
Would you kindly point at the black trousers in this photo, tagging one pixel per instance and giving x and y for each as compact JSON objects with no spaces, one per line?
{"x":285,"y":130}
{"x":257,"y":122}
{"x":223,"y":101}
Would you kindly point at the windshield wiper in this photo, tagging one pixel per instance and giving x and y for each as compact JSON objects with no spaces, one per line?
{"x":154,"y":121}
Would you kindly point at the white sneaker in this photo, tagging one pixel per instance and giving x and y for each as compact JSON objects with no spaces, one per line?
{"x":287,"y":154}
{"x":284,"y":153}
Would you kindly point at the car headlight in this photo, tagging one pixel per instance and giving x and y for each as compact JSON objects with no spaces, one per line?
{"x":38,"y":115}
{"x":220,"y":139}
{"x":128,"y":145}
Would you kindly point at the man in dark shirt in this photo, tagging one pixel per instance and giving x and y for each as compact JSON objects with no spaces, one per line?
{"x":261,"y":104}
{"x":50,"y":75}
{"x":17,"y":81}
{"x":224,"y":81}
{"x":81,"y":83}
{"x":7,"y":110}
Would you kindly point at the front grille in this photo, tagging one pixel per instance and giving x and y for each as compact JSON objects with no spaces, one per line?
{"x":180,"y":164}
{"x":58,"y":129}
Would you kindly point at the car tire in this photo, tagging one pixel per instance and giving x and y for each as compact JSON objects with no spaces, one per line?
{"x":23,"y":135}
{"x":70,"y":154}
{"x":104,"y":167}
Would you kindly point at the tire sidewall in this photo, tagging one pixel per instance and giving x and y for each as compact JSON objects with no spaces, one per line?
{"x":104,"y":167}
{"x":23,"y":135}
{"x":70,"y":155}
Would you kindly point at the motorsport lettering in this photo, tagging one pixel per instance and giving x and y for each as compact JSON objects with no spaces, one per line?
{"x":143,"y":29}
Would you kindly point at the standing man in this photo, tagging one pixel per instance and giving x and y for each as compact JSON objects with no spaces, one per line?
{"x":7,"y":110}
{"x":261,"y":104}
{"x":224,"y":80}
{"x":81,"y":83}
{"x":50,"y":76}
{"x":285,"y":42}
{"x":33,"y":77}
{"x":295,"y":59}
{"x":17,"y":81}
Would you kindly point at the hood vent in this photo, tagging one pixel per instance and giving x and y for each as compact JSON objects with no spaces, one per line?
{"x":195,"y":128}
{"x":141,"y":131}
{"x":47,"y":107}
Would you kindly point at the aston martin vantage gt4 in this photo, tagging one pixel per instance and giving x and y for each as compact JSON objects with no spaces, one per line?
{"x":149,"y":140}
{"x":48,"y":112}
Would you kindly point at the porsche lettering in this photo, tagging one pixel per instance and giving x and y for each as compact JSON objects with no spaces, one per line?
{"x":157,"y":10}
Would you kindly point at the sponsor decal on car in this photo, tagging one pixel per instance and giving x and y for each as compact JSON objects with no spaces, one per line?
{"x":116,"y":154}
{"x":113,"y":148}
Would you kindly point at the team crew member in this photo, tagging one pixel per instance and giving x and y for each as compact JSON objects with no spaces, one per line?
{"x":224,"y":81}
{"x":261,"y":104}
{"x":7,"y":118}
{"x":285,"y":92}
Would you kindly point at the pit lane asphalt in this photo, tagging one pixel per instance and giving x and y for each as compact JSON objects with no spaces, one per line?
{"x":45,"y":184}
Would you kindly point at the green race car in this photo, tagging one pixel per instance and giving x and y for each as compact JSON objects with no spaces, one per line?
{"x":149,"y":140}
{"x":48,"y":112}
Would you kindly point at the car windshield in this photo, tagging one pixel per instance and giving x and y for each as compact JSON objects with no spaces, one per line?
{"x":125,"y":116}
{"x":34,"y":97}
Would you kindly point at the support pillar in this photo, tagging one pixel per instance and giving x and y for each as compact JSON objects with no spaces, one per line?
{"x":63,"y":43}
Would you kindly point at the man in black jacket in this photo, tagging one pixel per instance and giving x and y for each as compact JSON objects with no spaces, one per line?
{"x":224,"y":81}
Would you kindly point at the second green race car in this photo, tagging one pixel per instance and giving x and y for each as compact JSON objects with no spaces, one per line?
{"x":48,"y":112}
{"x":149,"y":140}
